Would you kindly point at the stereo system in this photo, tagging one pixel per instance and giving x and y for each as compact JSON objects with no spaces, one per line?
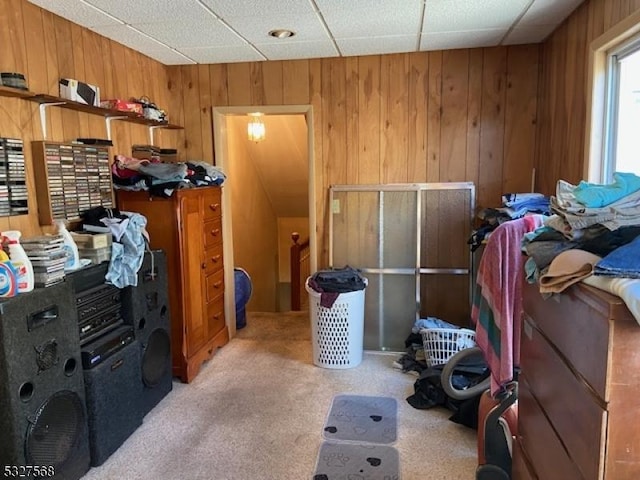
{"x":81,"y":363}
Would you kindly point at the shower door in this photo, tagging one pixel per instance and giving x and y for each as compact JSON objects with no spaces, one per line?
{"x":403,"y":236}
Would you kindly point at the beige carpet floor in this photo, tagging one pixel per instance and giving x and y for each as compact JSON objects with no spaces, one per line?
{"x":257,"y":409}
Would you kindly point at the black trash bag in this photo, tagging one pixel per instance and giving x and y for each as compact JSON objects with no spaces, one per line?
{"x":429,"y":392}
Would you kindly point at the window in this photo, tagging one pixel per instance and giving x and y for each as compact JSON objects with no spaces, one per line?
{"x":622,"y":123}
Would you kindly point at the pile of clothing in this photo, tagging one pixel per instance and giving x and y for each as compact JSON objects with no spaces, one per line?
{"x":514,"y":206}
{"x":162,"y":178}
{"x":593,"y":236}
{"x":603,"y":220}
{"x":130,"y":240}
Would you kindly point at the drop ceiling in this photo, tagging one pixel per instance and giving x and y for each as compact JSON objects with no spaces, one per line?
{"x":178,"y":32}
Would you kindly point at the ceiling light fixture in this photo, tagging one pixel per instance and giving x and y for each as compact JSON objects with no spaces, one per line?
{"x":281,"y":33}
{"x":255,"y":127}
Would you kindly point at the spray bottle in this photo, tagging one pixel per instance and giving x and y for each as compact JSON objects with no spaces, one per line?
{"x":20,"y":261}
{"x":70,"y":248}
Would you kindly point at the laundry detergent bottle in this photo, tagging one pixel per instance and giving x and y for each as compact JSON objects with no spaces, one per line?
{"x":8,"y":276}
{"x":20,"y":261}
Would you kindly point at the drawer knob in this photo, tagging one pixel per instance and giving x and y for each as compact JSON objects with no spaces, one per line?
{"x":204,"y":265}
{"x":217,"y":284}
{"x":215,"y":232}
{"x":214,"y":207}
{"x":215,"y":258}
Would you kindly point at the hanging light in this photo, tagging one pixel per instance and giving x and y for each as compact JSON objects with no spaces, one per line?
{"x":255,"y":127}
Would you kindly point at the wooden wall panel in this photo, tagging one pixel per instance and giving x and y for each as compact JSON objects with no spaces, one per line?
{"x":417,"y":127}
{"x":455,"y":91}
{"x":369,"y":124}
{"x":520,"y":117}
{"x":492,"y":129}
{"x":394,"y":86}
{"x":562,"y":94}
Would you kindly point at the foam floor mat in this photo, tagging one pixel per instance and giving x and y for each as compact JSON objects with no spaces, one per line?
{"x":362,"y":419}
{"x":339,"y":461}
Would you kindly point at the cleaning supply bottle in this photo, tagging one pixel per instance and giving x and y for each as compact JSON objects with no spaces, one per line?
{"x":8,"y":278}
{"x":20,"y":261}
{"x":70,"y":248}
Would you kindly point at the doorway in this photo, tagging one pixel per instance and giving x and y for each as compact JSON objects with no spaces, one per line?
{"x":256,"y":205}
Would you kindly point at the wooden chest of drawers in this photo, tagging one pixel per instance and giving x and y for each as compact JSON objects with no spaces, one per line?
{"x":579,"y":389}
{"x":188,"y":227}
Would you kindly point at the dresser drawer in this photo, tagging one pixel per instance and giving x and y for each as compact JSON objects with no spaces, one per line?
{"x":565,"y":399}
{"x":542,"y":446}
{"x":214,"y":285}
{"x":212,"y":203}
{"x":213,"y":259}
{"x":215,"y":316}
{"x":576,"y":330}
{"x":212,"y":233}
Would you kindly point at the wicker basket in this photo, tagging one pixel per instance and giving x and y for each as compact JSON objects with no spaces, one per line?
{"x":440,"y":344}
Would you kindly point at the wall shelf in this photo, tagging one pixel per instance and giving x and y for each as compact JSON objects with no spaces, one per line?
{"x":45,"y":101}
{"x":14,"y":92}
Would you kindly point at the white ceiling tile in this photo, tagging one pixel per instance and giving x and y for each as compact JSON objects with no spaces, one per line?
{"x":76,"y":12}
{"x":169,"y":57}
{"x":377,"y":45}
{"x":528,"y":34}
{"x":222,"y":54}
{"x":296,"y":50}
{"x":150,"y":11}
{"x":201,"y":33}
{"x":463,"y":15}
{"x":307,"y":27}
{"x":470,"y":39}
{"x":548,"y":12}
{"x":361,"y":18}
{"x":258,"y":8}
{"x":127,"y":36}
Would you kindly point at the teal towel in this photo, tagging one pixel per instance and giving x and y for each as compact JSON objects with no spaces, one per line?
{"x":597,"y":196}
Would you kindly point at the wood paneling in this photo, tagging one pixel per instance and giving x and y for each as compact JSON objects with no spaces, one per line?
{"x":562,"y":95}
{"x":412,"y":117}
{"x":45,"y":48}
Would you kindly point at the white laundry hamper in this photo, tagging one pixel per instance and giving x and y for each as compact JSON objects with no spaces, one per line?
{"x":337,"y":333}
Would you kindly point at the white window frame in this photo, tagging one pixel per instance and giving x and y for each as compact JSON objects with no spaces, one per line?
{"x":614,"y":56}
{"x":597,"y":133}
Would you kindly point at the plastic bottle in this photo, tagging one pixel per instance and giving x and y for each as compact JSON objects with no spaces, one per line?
{"x":70,"y":249}
{"x":8,"y":278}
{"x":20,"y":261}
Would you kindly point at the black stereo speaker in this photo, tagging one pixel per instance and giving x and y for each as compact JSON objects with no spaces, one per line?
{"x":43,"y":421}
{"x":113,"y":390}
{"x":146,"y":308}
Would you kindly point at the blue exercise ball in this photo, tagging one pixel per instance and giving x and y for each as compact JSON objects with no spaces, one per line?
{"x":243,"y":288}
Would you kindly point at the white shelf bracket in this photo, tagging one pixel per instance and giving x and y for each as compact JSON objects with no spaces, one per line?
{"x":107,"y":124}
{"x":43,"y":115}
{"x":151,"y":129}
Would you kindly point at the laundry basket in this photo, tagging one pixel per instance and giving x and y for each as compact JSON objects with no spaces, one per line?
{"x":440,"y":344}
{"x":337,"y":332}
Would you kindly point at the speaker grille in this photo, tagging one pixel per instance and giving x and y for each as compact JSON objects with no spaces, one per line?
{"x":47,"y":355}
{"x":56,"y":430}
{"x":155,"y":358}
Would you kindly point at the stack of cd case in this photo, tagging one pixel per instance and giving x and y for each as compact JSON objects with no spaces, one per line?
{"x":48,"y":256}
{"x":13,"y":179}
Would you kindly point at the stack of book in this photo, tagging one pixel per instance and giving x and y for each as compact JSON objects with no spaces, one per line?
{"x":48,"y":256}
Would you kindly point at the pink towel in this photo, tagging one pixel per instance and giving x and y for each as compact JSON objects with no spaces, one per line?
{"x":500,"y":279}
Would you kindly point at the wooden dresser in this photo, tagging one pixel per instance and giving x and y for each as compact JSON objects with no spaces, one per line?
{"x":579,"y":389}
{"x":188,"y":227}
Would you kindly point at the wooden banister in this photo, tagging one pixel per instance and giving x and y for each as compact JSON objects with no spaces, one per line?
{"x":300,"y":270}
